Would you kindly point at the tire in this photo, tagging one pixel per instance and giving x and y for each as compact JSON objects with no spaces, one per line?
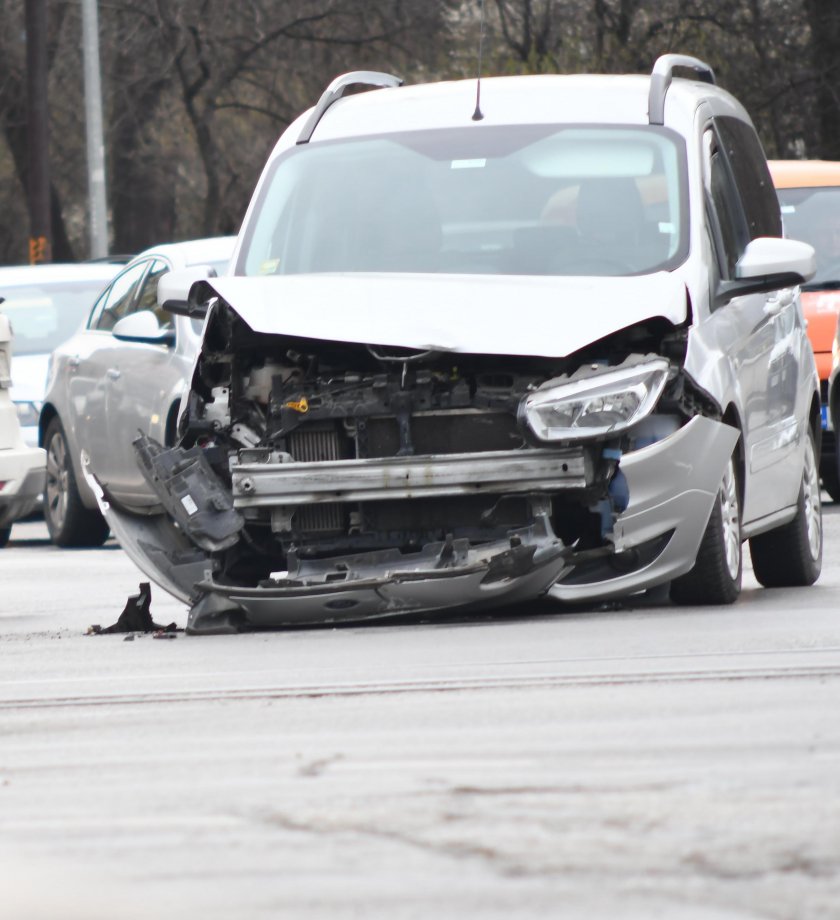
{"x":791,"y":556}
{"x":69,"y":522}
{"x":716,"y":576}
{"x":5,"y":533}
{"x":831,"y":481}
{"x":829,"y":466}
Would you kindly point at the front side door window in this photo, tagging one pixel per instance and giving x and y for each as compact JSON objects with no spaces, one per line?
{"x":147,"y":296}
{"x":118,"y":299}
{"x":728,"y":224}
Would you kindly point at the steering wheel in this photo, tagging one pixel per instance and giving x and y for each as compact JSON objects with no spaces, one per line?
{"x":605,"y":266}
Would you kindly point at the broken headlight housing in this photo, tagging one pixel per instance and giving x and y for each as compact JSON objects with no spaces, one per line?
{"x":604,"y":402}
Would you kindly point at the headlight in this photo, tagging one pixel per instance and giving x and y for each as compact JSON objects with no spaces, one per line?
{"x":599,"y":404}
{"x":28,"y":413}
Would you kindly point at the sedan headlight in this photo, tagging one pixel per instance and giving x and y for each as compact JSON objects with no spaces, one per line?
{"x":28,"y":413}
{"x":604,"y":402}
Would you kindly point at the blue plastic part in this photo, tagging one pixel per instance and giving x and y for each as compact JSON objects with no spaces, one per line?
{"x":619,"y":492}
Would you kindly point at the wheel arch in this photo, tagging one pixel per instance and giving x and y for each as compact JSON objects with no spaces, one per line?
{"x":815,"y":421}
{"x":732,"y":417}
{"x":48,"y":413}
{"x":170,"y":432}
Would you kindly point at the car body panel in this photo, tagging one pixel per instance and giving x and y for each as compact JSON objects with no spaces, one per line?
{"x":759,"y":362}
{"x":144,"y":385}
{"x":104,"y":389}
{"x":453,"y":313}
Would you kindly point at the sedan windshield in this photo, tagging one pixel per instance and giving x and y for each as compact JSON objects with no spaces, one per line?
{"x":533,"y":200}
{"x":813,"y":215}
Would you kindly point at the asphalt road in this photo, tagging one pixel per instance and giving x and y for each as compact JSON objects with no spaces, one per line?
{"x":644,"y":762}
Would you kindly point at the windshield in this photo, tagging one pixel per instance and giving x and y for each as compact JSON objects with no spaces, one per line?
{"x":537,"y":200}
{"x":813,"y":215}
{"x":44,"y":316}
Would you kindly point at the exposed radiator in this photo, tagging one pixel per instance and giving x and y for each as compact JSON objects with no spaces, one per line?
{"x":310,"y":445}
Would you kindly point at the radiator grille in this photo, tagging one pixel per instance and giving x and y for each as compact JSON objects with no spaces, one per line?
{"x":311,"y":445}
{"x":327,"y":518}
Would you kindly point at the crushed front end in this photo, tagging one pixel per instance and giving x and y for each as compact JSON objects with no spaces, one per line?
{"x":321,"y":481}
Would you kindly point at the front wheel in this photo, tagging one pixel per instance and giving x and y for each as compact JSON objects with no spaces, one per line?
{"x":716,"y":576}
{"x":791,"y":555}
{"x":5,"y":533}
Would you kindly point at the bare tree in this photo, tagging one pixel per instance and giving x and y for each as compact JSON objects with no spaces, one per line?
{"x":824,"y":22}
{"x":13,"y":122}
{"x":198,"y":91}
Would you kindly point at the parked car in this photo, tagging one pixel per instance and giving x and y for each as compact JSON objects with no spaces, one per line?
{"x":21,"y":467}
{"x":809,"y":193}
{"x":46,"y":305}
{"x":469,"y":354}
{"x":123,"y":372}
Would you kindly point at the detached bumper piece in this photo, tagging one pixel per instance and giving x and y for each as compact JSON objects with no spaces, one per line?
{"x":191,"y":493}
{"x":448,"y":575}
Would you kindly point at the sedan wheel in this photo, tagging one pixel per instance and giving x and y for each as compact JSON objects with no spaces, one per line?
{"x":57,"y":477}
{"x":69,"y":522}
{"x":791,"y":555}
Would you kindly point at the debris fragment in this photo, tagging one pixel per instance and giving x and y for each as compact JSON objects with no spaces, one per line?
{"x":136,"y":618}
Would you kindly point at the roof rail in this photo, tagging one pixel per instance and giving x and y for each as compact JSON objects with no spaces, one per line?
{"x":660,"y":80}
{"x":336,"y":90}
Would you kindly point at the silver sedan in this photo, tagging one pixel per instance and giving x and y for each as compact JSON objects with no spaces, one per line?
{"x":122,"y":373}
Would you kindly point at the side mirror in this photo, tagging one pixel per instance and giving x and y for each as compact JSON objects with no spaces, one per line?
{"x":142,"y":326}
{"x":173,"y":291}
{"x":768,"y":256}
{"x":769,"y":264}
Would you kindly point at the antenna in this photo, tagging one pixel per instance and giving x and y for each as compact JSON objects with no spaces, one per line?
{"x":477,"y":114}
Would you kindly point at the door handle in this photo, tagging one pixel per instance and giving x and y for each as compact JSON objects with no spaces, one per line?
{"x":74,"y":361}
{"x":113,"y":374}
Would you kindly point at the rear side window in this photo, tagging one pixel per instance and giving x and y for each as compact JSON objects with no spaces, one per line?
{"x":749,"y":170}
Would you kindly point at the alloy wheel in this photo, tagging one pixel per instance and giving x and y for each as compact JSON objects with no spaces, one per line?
{"x":731,"y":520}
{"x":811,"y":500}
{"x":57,"y":484}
